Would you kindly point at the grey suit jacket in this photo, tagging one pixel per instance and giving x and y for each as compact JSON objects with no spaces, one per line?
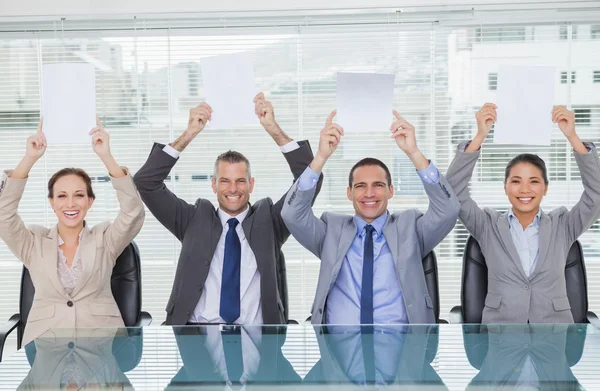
{"x":410,"y":235}
{"x":512,"y":297}
{"x":198,"y":228}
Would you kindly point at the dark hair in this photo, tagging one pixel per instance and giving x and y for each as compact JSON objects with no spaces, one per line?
{"x":530,"y":158}
{"x":370,"y":161}
{"x":231,"y":157}
{"x":71,"y":171}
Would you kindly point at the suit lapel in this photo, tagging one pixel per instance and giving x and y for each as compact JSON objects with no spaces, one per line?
{"x":346,"y":238}
{"x":87,"y":253}
{"x":50,"y":259}
{"x":508,"y":244}
{"x":544,"y":240}
{"x":390,"y":232}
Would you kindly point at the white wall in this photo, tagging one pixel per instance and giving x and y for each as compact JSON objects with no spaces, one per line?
{"x":64,"y":8}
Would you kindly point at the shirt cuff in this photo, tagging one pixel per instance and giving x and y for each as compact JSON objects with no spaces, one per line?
{"x":289,"y":147}
{"x":430,"y":175}
{"x":308,"y":180}
{"x":171,"y":151}
{"x":588,"y":146}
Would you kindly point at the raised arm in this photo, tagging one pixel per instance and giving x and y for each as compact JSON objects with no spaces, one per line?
{"x":461,"y":169}
{"x":297,"y":211}
{"x":171,"y":211}
{"x":587,"y":210}
{"x":12,"y":229}
{"x":297,"y":154}
{"x":130,"y":219}
{"x":440,"y":218}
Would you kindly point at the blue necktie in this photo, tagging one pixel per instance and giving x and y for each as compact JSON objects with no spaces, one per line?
{"x":366,"y":296}
{"x":230,"y":282}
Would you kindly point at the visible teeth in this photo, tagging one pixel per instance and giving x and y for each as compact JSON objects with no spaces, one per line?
{"x":525,"y":199}
{"x":370,"y":203}
{"x":71,"y":213}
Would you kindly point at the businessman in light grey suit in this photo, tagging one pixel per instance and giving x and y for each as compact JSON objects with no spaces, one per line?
{"x":526,"y":248}
{"x":371,"y":270}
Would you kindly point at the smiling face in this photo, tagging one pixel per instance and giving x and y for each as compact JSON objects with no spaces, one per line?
{"x":525,"y":188}
{"x":70,"y":201}
{"x":233,"y":186}
{"x":370,"y":192}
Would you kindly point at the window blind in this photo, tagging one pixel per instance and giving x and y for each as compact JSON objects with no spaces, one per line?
{"x":148,"y":76}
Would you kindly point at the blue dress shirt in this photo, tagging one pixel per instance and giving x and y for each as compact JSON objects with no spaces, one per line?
{"x":527,"y":241}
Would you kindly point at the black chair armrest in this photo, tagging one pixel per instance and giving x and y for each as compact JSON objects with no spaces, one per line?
{"x":292,"y":321}
{"x":145,"y":319}
{"x":309,"y":319}
{"x":456,"y":315}
{"x":6,"y":329}
{"x":593,"y":319}
{"x":442,"y":321}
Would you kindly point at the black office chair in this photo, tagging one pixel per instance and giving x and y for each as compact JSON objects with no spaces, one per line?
{"x":126,"y":285}
{"x":475,"y":279}
{"x":433,"y":287}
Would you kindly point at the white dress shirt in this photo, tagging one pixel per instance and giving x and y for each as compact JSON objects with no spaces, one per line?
{"x":208,"y":307}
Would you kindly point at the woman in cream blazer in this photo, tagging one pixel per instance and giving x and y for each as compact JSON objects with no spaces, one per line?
{"x":70,"y":264}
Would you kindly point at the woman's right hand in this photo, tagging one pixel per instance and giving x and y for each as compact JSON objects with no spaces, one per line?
{"x":486,"y":116}
{"x":36,"y":144}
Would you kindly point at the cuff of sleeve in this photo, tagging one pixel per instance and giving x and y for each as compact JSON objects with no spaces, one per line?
{"x":171,"y":151}
{"x":11,"y":183}
{"x":430,"y":174}
{"x":308,"y":180}
{"x":289,"y":147}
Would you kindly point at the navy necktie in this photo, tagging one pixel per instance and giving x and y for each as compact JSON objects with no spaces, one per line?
{"x":232,"y":347}
{"x":230,"y":282}
{"x":366,"y":297}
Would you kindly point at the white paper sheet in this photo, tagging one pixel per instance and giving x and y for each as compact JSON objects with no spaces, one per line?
{"x":229,"y":89}
{"x":364,"y":101}
{"x":68,"y":102}
{"x":525,"y":101}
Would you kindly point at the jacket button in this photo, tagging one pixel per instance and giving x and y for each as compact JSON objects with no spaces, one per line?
{"x":71,"y":345}
{"x":70,"y":303}
{"x":526,"y":287}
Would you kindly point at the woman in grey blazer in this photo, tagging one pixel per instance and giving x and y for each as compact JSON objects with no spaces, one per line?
{"x":526,"y":248}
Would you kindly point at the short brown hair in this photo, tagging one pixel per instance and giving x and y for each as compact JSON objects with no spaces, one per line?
{"x":370,"y":161}
{"x":71,"y":171}
{"x":231,"y":157}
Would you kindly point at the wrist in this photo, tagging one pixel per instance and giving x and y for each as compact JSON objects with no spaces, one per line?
{"x":318,"y":163}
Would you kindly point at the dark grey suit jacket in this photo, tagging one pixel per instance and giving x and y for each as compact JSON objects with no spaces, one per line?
{"x":198,"y":228}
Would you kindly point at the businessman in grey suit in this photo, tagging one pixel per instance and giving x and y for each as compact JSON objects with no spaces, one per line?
{"x":371,"y":270}
{"x":231,"y":268}
{"x":526,"y":248}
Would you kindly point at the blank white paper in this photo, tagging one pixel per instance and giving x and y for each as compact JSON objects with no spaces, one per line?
{"x":525,"y":101}
{"x":229,"y":89}
{"x":364,"y":101}
{"x":68,"y":102}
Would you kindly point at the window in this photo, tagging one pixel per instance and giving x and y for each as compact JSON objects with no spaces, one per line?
{"x":595,"y":32}
{"x":492,"y":81}
{"x":146,"y":96}
{"x":563,"y":32}
{"x":564,"y":77}
{"x":583,"y":116}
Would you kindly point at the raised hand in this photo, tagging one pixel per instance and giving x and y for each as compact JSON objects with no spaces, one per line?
{"x":330,"y":137}
{"x":486,"y":116}
{"x":565,"y":119}
{"x":36,"y":144}
{"x":404,"y":134}
{"x":264,"y":110}
{"x":199,"y":116}
{"x":100,"y":140}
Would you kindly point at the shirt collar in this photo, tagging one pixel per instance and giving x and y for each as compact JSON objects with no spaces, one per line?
{"x":61,"y":241}
{"x":536,"y":219}
{"x":378,"y":224}
{"x":224,"y":217}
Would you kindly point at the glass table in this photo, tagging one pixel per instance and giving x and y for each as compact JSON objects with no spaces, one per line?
{"x":444,"y":357}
